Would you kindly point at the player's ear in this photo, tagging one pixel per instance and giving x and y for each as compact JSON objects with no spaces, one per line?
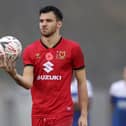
{"x":59,"y":24}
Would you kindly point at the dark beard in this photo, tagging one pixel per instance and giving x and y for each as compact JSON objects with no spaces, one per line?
{"x":49,"y":34}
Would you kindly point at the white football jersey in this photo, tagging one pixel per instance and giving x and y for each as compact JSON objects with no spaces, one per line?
{"x":118,"y":89}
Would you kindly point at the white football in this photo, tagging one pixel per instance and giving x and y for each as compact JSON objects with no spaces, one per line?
{"x":2,"y":53}
{"x":12,"y":47}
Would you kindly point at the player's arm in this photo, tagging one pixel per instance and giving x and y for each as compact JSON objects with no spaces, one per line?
{"x":25,"y":80}
{"x":82,"y":95}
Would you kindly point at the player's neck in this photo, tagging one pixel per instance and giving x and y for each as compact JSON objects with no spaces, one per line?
{"x":51,"y":40}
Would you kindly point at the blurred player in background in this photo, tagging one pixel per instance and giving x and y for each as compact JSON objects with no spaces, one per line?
{"x":118,"y":101}
{"x":48,"y":67}
{"x":74,"y":91}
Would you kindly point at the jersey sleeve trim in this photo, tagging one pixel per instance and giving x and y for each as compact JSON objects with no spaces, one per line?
{"x":28,"y":65}
{"x":82,"y":67}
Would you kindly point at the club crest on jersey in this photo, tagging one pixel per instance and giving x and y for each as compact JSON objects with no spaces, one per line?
{"x":61,"y":54}
{"x":49,"y":56}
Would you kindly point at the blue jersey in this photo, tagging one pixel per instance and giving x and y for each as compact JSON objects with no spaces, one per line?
{"x":118,"y":99}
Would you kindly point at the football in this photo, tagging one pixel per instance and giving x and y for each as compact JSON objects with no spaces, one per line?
{"x":12,"y":47}
{"x":2,"y":53}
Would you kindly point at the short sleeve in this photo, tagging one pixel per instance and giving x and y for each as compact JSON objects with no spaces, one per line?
{"x":77,"y":58}
{"x":27,"y":57}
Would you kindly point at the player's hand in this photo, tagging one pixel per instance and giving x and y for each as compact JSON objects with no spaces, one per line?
{"x":8,"y":65}
{"x":82,"y":121}
{"x":3,"y":61}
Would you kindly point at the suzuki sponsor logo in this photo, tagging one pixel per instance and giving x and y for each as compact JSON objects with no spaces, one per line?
{"x":49,"y":77}
{"x":48,"y":66}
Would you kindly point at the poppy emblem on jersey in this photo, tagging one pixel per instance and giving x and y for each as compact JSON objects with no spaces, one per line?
{"x":37,"y":55}
{"x":61,"y":54}
{"x":49,"y":56}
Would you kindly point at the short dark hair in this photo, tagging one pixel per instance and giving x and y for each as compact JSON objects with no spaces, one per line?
{"x":53,"y":9}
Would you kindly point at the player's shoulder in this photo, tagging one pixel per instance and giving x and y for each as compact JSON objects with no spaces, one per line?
{"x":70,"y":42}
{"x":117,"y":84}
{"x":118,"y":88}
{"x":33,"y":44}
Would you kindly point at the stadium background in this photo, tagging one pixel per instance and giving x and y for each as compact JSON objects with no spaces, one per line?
{"x":98,"y":25}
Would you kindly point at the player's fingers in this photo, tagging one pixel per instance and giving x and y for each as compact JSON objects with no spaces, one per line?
{"x":2,"y":61}
{"x":82,"y":122}
{"x":10,"y":66}
{"x":14,"y":64}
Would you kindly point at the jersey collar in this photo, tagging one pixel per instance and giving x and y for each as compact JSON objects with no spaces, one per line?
{"x":53,"y":46}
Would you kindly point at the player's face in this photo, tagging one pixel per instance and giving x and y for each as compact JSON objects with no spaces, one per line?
{"x":49,"y":24}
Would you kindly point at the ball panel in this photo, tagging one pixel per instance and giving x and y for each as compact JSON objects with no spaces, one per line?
{"x":12,"y":47}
